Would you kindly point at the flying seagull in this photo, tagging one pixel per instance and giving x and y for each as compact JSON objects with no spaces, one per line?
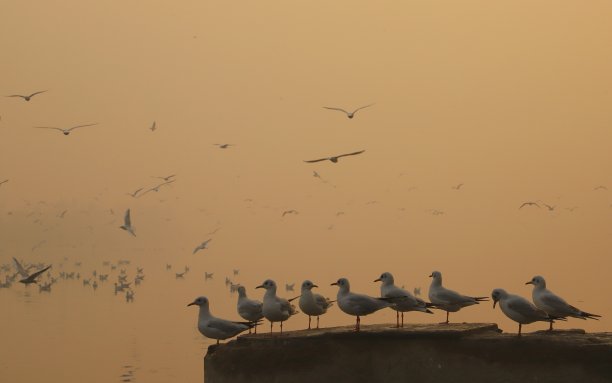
{"x":529,"y":204}
{"x":348,"y":114}
{"x":224,"y":146}
{"x":32,"y":277}
{"x":457,"y":187}
{"x":549,"y":207}
{"x":127,"y":223}
{"x":167,"y":178}
{"x":600,"y":187}
{"x":290,"y":212}
{"x":134,"y":193}
{"x":65,"y":131}
{"x":202,"y":246}
{"x":334,"y":159}
{"x":156,"y":188}
{"x":153,"y":127}
{"x":3,"y":182}
{"x":27,"y":98}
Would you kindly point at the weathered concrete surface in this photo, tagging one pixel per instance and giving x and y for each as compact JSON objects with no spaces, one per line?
{"x":423,"y":353}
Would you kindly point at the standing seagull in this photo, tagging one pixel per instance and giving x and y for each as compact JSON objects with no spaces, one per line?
{"x":217,"y":328}
{"x":518,"y":308}
{"x":357,"y":304}
{"x":202,"y":246}
{"x":348,"y":114}
{"x":275,"y":309}
{"x":313,"y":304}
{"x":334,"y":159}
{"x":127,"y":223}
{"x":27,"y":98}
{"x":553,"y":304}
{"x":249,"y":309}
{"x":449,"y":300}
{"x":404,"y":301}
{"x":32,"y":277}
{"x":65,"y":131}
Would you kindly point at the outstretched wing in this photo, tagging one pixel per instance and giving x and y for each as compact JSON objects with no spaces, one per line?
{"x":362,"y":107}
{"x":319,"y":160}
{"x":127,"y":219}
{"x":48,"y":127}
{"x":36,"y":274}
{"x":80,"y":126}
{"x":35,"y":93}
{"x":351,"y":154}
{"x":338,"y":109}
{"x":20,"y":269}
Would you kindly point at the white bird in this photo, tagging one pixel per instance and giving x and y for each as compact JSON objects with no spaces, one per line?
{"x":553,"y":304}
{"x":357,"y":304}
{"x":449,"y":300}
{"x":313,"y":304}
{"x":403,"y":300}
{"x":65,"y":131}
{"x":127,"y":223}
{"x":275,"y":309}
{"x":249,"y":309}
{"x":28,"y":97}
{"x":202,"y":246}
{"x":217,"y":328}
{"x":518,"y":308}
{"x":348,"y":114}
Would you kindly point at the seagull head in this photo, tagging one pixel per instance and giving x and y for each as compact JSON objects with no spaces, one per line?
{"x":436,"y":275}
{"x":498,"y":294}
{"x":268,"y":285}
{"x":200,"y":301}
{"x":343,"y":283}
{"x":385,"y":278}
{"x":537,"y":281}
{"x":308,"y":285}
{"x":241,"y":291}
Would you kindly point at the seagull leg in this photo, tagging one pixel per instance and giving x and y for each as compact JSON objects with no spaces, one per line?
{"x":357,"y":324}
{"x":402,"y":319}
{"x":550,"y":328}
{"x":309,"y":322}
{"x":281,"y":328}
{"x":217,"y":342}
{"x":317,"y":321}
{"x":397,"y":319}
{"x":255,"y":328}
{"x":520,"y":325}
{"x":271,"y":323}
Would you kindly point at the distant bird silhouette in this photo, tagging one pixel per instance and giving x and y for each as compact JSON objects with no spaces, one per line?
{"x":550,"y":208}
{"x":156,"y":188}
{"x":290,"y":212}
{"x":202,"y":246}
{"x":289,"y":287}
{"x":348,"y":114}
{"x":65,"y":131}
{"x":32,"y":277}
{"x":153,"y":127}
{"x":27,"y":98}
{"x":600,"y":187}
{"x":224,"y":146}
{"x":167,"y":178}
{"x":529,"y":204}
{"x":127,"y":223}
{"x":3,"y":182}
{"x":436,"y":212}
{"x":571,"y":209}
{"x":457,"y":187}
{"x":334,"y":159}
{"x":416,"y":291}
{"x":62,"y":214}
{"x":315,"y":174}
{"x":208,"y":276}
{"x":134,"y":193}
{"x":236,"y":271}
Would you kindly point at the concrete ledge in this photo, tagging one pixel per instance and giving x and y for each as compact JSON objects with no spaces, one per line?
{"x":424,"y":353}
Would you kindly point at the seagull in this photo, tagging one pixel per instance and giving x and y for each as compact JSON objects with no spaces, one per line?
{"x":313,"y":304}
{"x":348,"y":114}
{"x":236,"y":271}
{"x":65,"y":131}
{"x":275,"y":309}
{"x":334,"y":159}
{"x":208,"y":276}
{"x":202,"y":246}
{"x":32,"y":277}
{"x":224,"y":146}
{"x":289,"y":287}
{"x":127,"y":223}
{"x":404,"y":301}
{"x":553,"y":304}
{"x":27,"y":98}
{"x":449,"y":300}
{"x":519,"y":309}
{"x":315,"y":174}
{"x":529,"y":204}
{"x":457,"y":187}
{"x":167,"y":178}
{"x":289,"y":212}
{"x":357,"y":304}
{"x":600,"y":187}
{"x":153,"y":127}
{"x":3,"y":182}
{"x":249,"y":309}
{"x":156,"y":188}
{"x":62,"y":214}
{"x":416,"y":291}
{"x":217,"y":328}
{"x":550,"y":208}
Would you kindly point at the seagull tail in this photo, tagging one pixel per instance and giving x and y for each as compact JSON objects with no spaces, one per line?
{"x":481,"y":299}
{"x":586,"y":315}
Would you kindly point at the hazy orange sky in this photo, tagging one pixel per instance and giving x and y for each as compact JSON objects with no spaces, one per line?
{"x":510,"y":98}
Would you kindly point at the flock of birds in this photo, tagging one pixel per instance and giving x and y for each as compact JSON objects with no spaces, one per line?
{"x":546,"y":306}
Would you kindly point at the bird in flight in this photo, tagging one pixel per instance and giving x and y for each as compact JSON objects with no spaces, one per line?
{"x":457,"y":187}
{"x":32,"y":277}
{"x":133,"y":194}
{"x":529,"y":204}
{"x":127,"y":223}
{"x":571,"y":209}
{"x":153,"y":127}
{"x":334,"y":159}
{"x":3,"y":182}
{"x":62,"y":214}
{"x":600,"y":187}
{"x":166,"y":179}
{"x":549,"y":207}
{"x":224,"y":146}
{"x":27,"y":98}
{"x":290,"y":212}
{"x":315,"y":174}
{"x":348,"y":114}
{"x":202,"y":246}
{"x":156,"y":188}
{"x":65,"y":131}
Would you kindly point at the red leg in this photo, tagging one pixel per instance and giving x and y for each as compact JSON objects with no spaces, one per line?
{"x":317,"y":321}
{"x":402,"y":319}
{"x":281,"y":328}
{"x":309,"y":322}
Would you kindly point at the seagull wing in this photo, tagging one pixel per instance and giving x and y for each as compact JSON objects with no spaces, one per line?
{"x":338,"y":109}
{"x":16,"y":95}
{"x":526,"y":309}
{"x":48,"y":127}
{"x":558,"y":303}
{"x":126,"y":219}
{"x":227,"y":327}
{"x":36,"y":274}
{"x":362,"y":107}
{"x":451,"y":297}
{"x":80,"y":126}
{"x":20,"y":268}
{"x":319,"y":160}
{"x":35,"y":93}
{"x":350,"y":154}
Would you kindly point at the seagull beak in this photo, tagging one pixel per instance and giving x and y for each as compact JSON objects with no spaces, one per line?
{"x":334,"y":284}
{"x":191,"y":304}
{"x":377,"y":280}
{"x":529,"y":283}
{"x":430,"y":275}
{"x":259,"y":287}
{"x":315,"y":286}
